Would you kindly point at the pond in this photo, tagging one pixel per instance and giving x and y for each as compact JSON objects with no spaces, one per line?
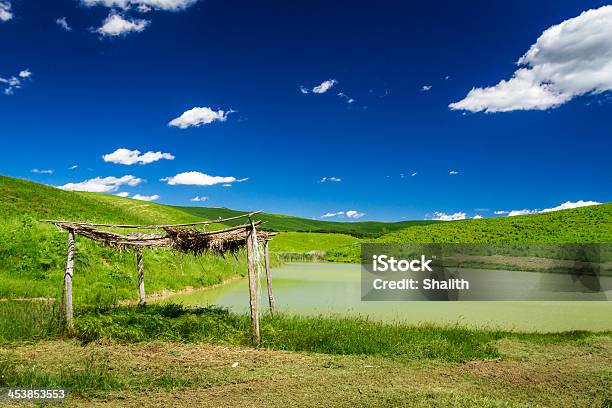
{"x":335,"y":289}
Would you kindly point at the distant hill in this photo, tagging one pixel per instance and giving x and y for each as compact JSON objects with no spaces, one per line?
{"x":279,"y":222}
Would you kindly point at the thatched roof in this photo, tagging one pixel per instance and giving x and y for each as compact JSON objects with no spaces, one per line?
{"x":180,"y":237}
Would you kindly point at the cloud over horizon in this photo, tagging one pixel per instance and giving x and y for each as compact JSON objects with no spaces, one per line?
{"x":441,"y":216}
{"x":352,"y":214}
{"x":569,"y":59}
{"x":103,"y":184}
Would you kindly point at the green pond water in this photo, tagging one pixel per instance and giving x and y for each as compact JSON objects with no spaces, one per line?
{"x":335,"y":289}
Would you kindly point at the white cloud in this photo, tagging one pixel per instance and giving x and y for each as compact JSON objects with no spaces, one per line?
{"x":426,"y":88}
{"x":123,"y":194}
{"x":129,"y":157}
{"x":324,"y":87}
{"x":116,"y":25}
{"x":303,"y":89}
{"x":568,"y":204}
{"x":199,"y":116}
{"x":146,"y":198}
{"x":38,"y":171}
{"x":440,"y":216}
{"x":514,"y":213}
{"x":569,"y":59}
{"x":143,"y":5}
{"x":62,"y":22}
{"x":563,"y":206}
{"x":477,"y":217}
{"x":74,"y":166}
{"x":453,"y":173}
{"x":347,"y":98}
{"x":5,"y":11}
{"x":354,"y":214}
{"x":332,"y":214}
{"x":15,"y":81}
{"x":198,"y":199}
{"x":195,"y":178}
{"x":332,"y":178}
{"x":500,"y":212}
{"x":103,"y":185}
{"x":414,"y":174}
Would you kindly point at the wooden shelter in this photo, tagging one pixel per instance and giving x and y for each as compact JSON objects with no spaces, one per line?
{"x":183,"y":238}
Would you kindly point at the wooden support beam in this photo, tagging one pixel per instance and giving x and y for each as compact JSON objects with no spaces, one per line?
{"x":68,"y":280}
{"x":141,"y":287}
{"x":252,"y":270}
{"x":269,"y":278}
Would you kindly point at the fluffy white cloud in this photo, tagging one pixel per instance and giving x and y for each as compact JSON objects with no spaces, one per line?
{"x":426,"y":88}
{"x":440,"y":216}
{"x":195,"y":178}
{"x":116,"y":25}
{"x":73,"y":167}
{"x":304,"y":90}
{"x":62,"y":22}
{"x":26,"y":73}
{"x":477,"y":217}
{"x":353,"y":214}
{"x":453,"y":173}
{"x":103,"y":184}
{"x":569,"y":59}
{"x":198,"y":199}
{"x":143,"y":5}
{"x":413,"y":174}
{"x":129,"y":157}
{"x":146,"y":198}
{"x":123,"y":194}
{"x":38,"y":171}
{"x":568,"y":204}
{"x":5,"y":11}
{"x":332,"y":178}
{"x":324,"y":87}
{"x":563,"y":206}
{"x":514,"y":213}
{"x":500,"y":212}
{"x":198,"y":117}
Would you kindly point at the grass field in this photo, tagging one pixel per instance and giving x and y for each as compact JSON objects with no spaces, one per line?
{"x":160,"y":356}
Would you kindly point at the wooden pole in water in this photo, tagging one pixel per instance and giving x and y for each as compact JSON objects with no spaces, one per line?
{"x":269,"y":278}
{"x":141,"y":288}
{"x":252,"y":269}
{"x":68,"y":279}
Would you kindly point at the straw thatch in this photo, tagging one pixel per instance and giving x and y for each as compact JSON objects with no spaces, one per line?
{"x":181,"y":238}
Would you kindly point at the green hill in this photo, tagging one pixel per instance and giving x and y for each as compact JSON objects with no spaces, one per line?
{"x":32,"y":254}
{"x":279,"y":222}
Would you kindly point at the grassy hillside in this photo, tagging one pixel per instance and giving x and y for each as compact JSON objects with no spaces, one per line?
{"x":279,"y":222}
{"x":579,"y":225}
{"x":32,"y":255}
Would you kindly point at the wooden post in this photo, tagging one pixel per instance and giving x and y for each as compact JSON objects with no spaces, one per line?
{"x":252,"y":269}
{"x":269,"y":278}
{"x":68,"y":279}
{"x":141,"y":288}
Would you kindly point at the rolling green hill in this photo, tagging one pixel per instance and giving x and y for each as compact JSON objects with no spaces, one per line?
{"x":32,"y":255}
{"x":279,"y":222}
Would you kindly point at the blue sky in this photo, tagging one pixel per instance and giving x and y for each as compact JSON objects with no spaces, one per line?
{"x":120,"y":74}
